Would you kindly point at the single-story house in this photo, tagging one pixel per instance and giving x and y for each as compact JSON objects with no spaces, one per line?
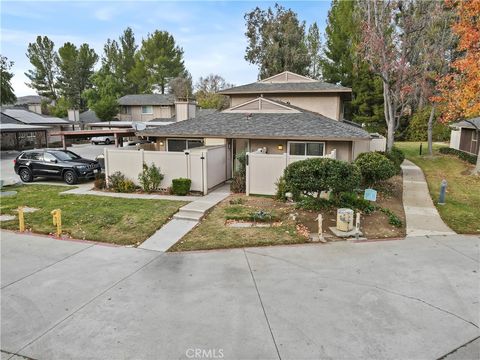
{"x":464,"y":135}
{"x":18,"y":136}
{"x":26,"y":117}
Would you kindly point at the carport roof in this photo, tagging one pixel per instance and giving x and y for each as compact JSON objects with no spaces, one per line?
{"x":298,"y":125}
{"x":9,"y":127}
{"x":31,"y":118}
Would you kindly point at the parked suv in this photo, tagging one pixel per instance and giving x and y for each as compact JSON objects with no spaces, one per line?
{"x":60,"y":164}
{"x":107,"y":140}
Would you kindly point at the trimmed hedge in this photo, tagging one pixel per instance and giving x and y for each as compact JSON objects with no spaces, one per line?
{"x":375,"y":167}
{"x":118,"y":182}
{"x":472,"y":159}
{"x":312,"y":176}
{"x":181,"y":186}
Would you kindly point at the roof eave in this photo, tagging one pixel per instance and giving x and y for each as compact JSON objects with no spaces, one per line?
{"x":247,"y":92}
{"x":246,"y":136}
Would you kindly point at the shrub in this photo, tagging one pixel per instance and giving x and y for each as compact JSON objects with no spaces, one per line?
{"x":393,"y":219}
{"x":181,"y":186}
{"x":239,"y":178}
{"x":396,"y":156}
{"x":315,"y":204}
{"x":351,"y":200}
{"x":375,"y":167}
{"x":150,"y":178}
{"x":99,"y":182}
{"x":312,"y":176}
{"x":472,"y":159}
{"x":418,"y":125}
{"x":283,"y":188}
{"x":119,"y":183}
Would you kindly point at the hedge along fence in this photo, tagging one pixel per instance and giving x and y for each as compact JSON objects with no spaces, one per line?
{"x":472,"y":159}
{"x":194,"y":164}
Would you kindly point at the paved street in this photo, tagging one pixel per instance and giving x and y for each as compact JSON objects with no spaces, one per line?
{"x":407,"y":299}
{"x":87,"y":151}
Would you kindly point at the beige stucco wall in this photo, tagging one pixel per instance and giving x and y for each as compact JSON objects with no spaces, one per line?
{"x":158,"y":112}
{"x":271,"y":145}
{"x":344,"y":149}
{"x":214,"y":141}
{"x":325,"y":104}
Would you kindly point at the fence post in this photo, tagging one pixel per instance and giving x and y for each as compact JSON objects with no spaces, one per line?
{"x":105,"y":160}
{"x":204,"y":173}
{"x":247,"y":173}
{"x":142,"y":156}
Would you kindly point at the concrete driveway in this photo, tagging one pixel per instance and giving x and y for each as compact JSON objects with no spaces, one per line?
{"x":7,"y":172}
{"x":408,"y":299}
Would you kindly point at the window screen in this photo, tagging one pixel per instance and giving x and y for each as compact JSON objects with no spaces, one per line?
{"x":314,"y":149}
{"x":177,"y":145}
{"x":297,"y":149}
{"x":147,"y":109}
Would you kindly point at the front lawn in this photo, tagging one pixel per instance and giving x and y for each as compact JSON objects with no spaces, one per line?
{"x":463,"y":192}
{"x":88,"y":217}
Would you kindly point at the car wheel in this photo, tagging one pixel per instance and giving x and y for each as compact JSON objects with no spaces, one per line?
{"x":70,"y":177}
{"x":25,"y":175}
{"x":107,"y":142}
{"x":94,"y":143}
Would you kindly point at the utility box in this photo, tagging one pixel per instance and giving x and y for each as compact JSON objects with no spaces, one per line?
{"x":345,"y":219}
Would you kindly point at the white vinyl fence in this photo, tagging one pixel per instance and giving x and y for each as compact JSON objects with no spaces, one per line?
{"x":378,"y":144}
{"x":205,"y":166}
{"x":264,"y":170}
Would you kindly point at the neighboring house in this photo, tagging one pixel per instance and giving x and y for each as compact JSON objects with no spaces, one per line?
{"x":308,"y":94}
{"x":31,"y":102}
{"x":464,"y":136}
{"x":148,"y":107}
{"x":17,"y":136}
{"x":26,"y":117}
{"x":88,"y":117}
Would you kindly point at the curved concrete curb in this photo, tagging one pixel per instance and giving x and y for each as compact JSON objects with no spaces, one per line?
{"x":421,"y":214}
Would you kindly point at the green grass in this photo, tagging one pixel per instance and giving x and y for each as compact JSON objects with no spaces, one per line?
{"x":98,"y":218}
{"x":461,"y":212}
{"x":212,"y":233}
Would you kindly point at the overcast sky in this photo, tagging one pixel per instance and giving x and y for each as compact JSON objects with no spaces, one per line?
{"x":211,"y":33}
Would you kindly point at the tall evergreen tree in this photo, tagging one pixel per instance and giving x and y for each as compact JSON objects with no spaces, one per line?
{"x":43,"y":57}
{"x":7,"y":96}
{"x":276,"y":41}
{"x":158,"y":61}
{"x":314,"y":46}
{"x":343,"y":65}
{"x":75,"y":69}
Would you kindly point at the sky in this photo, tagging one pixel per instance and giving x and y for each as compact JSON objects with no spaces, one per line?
{"x":211,"y":33}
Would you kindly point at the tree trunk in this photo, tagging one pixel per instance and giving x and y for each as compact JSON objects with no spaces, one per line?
{"x":389,"y":116}
{"x":430,"y":130}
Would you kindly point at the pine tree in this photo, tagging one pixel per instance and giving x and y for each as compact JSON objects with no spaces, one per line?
{"x":43,"y":57}
{"x":7,"y":96}
{"x":314,"y":46}
{"x":342,"y":64}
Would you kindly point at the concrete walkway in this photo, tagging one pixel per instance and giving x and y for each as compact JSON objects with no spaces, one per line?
{"x":185,"y":220}
{"x":409,"y":299}
{"x":421,"y":215}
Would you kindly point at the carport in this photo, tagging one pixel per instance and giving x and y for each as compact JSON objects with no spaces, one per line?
{"x":118,"y":134}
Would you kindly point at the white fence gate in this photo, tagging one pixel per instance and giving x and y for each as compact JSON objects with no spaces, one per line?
{"x":264,"y":170}
{"x":455,"y":139}
{"x":205,"y":166}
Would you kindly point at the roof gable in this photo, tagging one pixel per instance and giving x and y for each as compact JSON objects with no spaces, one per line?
{"x":286,"y":76}
{"x":146,"y":99}
{"x":262,"y":105}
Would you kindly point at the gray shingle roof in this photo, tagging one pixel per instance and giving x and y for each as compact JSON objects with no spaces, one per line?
{"x":5,"y":119}
{"x":146,"y":99}
{"x":285,"y":87}
{"x":29,"y":117}
{"x":304,"y":125}
{"x":8,"y":127}
{"x":88,"y":117}
{"x":464,"y":124}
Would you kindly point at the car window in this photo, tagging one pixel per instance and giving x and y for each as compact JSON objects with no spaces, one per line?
{"x":65,"y":155}
{"x":35,"y":156}
{"x":49,"y":157}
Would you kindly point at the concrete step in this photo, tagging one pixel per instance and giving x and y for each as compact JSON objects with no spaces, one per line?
{"x":188,"y":215}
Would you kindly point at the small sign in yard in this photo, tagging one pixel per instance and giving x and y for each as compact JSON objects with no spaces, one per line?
{"x":370,"y":195}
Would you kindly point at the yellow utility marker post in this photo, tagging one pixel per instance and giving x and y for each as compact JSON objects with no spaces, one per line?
{"x":21,"y":219}
{"x":57,"y":220}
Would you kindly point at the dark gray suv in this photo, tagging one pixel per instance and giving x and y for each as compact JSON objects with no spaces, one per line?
{"x":54,"y":163}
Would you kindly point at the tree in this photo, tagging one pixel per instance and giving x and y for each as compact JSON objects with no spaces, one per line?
{"x":314,"y":46}
{"x":159,"y":60}
{"x":128,"y":50}
{"x":181,"y":86}
{"x":460,"y":88}
{"x":391,"y":34}
{"x":75,"y":69}
{"x":106,"y":108}
{"x":43,"y":57}
{"x":343,"y":64}
{"x":207,"y":89}
{"x":276,"y":41}
{"x":7,"y":96}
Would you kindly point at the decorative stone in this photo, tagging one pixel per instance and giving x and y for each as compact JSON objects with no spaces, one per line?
{"x":27,"y":209}
{"x":344,"y":234}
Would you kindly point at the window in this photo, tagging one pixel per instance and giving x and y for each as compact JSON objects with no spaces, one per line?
{"x":33,"y":156}
{"x":126,"y":110}
{"x":307,"y":148}
{"x":49,"y":157}
{"x":183,"y":144}
{"x":147,"y":109}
